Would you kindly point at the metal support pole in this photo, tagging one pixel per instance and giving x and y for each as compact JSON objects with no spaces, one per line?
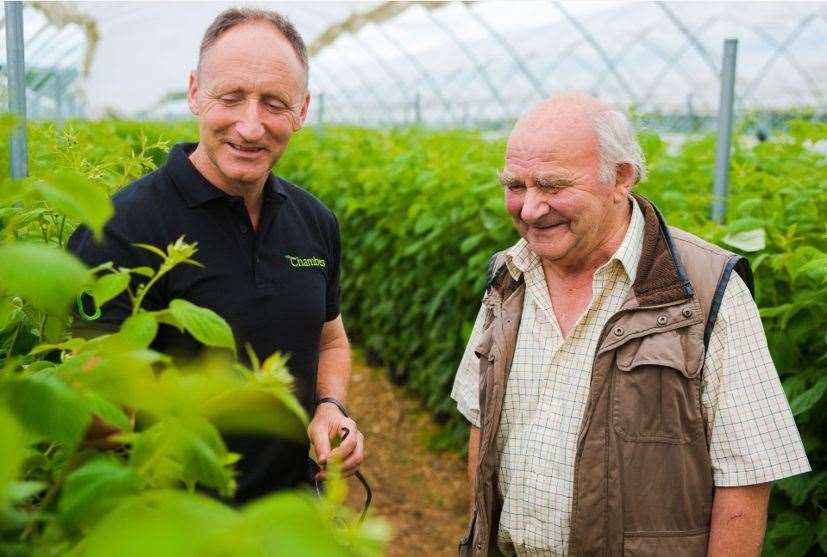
{"x":418,"y":109}
{"x":320,"y":119}
{"x":724,"y":140}
{"x":16,"y":68}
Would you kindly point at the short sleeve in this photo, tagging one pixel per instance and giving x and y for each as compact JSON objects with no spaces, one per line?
{"x":754,"y":438}
{"x":333,"y":290}
{"x":466,"y":389}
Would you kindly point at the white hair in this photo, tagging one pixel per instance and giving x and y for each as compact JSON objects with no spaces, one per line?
{"x":618,"y":145}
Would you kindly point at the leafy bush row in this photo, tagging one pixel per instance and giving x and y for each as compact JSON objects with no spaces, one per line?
{"x":66,"y":492}
{"x":421,"y":212}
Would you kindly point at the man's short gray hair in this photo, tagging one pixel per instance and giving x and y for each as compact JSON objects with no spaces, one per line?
{"x":618,"y":145}
{"x":232,"y":17}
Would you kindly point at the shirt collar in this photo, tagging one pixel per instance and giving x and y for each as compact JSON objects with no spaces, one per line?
{"x":197,"y":190}
{"x":520,"y":258}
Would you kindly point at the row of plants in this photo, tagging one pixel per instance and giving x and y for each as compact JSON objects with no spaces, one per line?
{"x":421,"y":213}
{"x":65,"y":489}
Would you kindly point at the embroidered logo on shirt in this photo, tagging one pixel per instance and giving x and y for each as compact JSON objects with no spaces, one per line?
{"x":305,"y":261}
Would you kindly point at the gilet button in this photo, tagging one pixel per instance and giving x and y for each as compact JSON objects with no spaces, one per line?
{"x":662,"y":320}
{"x":618,"y":331}
{"x":687,"y":312}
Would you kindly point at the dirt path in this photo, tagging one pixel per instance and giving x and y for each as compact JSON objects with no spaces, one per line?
{"x":422,"y":494}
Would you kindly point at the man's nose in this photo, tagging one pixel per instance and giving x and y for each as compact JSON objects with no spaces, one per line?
{"x":249,"y":126}
{"x":534,"y":206}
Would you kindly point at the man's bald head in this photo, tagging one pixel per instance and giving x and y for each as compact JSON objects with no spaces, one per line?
{"x":577,"y":122}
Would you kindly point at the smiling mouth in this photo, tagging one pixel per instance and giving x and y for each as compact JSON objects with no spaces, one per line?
{"x":547,"y":226}
{"x":244,"y":149}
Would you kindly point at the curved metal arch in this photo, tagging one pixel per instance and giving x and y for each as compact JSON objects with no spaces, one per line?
{"x":359,"y":76}
{"x":590,"y":38}
{"x":626,"y":49}
{"x":48,"y":77}
{"x":365,"y":83}
{"x":422,"y":72}
{"x":782,"y":49}
{"x":385,"y":67}
{"x":564,"y":55}
{"x":532,"y":79}
{"x":705,"y":56}
{"x":341,"y":90}
{"x":473,"y":59}
{"x":670,"y":63}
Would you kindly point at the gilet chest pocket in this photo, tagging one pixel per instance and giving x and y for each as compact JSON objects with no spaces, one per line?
{"x":656,"y":396}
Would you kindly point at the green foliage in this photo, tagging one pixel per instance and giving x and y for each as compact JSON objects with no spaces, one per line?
{"x":63,"y":489}
{"x":421,"y":213}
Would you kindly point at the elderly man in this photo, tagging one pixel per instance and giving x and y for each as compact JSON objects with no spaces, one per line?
{"x":249,"y":93}
{"x":618,"y":382}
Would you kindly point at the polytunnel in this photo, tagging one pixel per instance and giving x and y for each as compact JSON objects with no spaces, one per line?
{"x":446,"y":64}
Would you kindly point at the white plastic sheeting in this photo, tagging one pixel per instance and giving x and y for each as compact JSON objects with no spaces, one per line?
{"x":462,"y":63}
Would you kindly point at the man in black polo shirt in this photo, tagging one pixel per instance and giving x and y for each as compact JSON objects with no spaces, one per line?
{"x":270,"y":250}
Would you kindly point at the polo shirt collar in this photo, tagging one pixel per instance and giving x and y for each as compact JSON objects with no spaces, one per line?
{"x":197,"y":190}
{"x":520,"y":258}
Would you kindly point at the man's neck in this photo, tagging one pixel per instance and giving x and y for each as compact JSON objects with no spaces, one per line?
{"x":252,"y":193}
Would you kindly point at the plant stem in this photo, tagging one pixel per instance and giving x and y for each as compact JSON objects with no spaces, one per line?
{"x":70,"y":465}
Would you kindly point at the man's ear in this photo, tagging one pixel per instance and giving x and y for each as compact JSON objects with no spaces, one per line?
{"x":624,"y":180}
{"x":299,"y":122}
{"x":192,"y":92}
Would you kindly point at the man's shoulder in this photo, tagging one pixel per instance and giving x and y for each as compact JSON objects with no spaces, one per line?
{"x":145,"y":192}
{"x":305,"y":201}
{"x":686,"y":241}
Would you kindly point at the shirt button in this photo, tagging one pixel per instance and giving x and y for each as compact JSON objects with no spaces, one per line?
{"x":687,"y":312}
{"x":662,"y":320}
{"x":618,"y":331}
{"x":243,"y":228}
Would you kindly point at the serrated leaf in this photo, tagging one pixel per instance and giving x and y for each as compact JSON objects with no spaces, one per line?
{"x":160,"y":523}
{"x":49,"y":407}
{"x":46,"y":277}
{"x":139,"y":330}
{"x":206,"y":326}
{"x":77,"y":197}
{"x":108,"y":287}
{"x":747,"y":240}
{"x":809,"y":398}
{"x":157,"y":251}
{"x":108,"y":412}
{"x":93,"y":489}
{"x":148,"y":272}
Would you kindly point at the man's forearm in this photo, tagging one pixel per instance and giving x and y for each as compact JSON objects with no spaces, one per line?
{"x":334,"y":373}
{"x":739,"y":518}
{"x":334,"y":362}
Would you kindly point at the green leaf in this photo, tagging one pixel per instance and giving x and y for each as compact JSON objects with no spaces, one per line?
{"x":13,"y":450}
{"x":108,"y":287}
{"x":747,"y":240}
{"x":48,"y":407}
{"x":791,"y":535}
{"x":93,"y":489}
{"x":799,"y":487}
{"x":148,"y":272}
{"x":160,"y":524}
{"x":77,"y":197}
{"x":108,"y":412}
{"x":46,"y":277}
{"x":139,"y":330}
{"x":20,"y":491}
{"x":206,"y":326}
{"x":809,"y":398}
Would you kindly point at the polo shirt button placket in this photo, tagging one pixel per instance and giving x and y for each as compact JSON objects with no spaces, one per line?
{"x":243,"y":228}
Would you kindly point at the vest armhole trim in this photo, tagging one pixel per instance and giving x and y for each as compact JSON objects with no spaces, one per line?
{"x":718,"y":296}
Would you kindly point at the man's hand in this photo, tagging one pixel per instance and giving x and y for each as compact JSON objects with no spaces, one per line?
{"x":329,"y":424}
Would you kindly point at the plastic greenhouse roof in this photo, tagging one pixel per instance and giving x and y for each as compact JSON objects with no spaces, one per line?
{"x":461,"y":63}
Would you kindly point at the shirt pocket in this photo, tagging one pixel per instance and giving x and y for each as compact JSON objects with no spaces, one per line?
{"x":656,"y":395}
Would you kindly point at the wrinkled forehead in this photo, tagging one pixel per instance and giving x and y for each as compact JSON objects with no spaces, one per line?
{"x":552,"y":142}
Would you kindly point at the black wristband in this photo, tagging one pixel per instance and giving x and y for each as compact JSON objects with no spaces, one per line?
{"x":332,"y":400}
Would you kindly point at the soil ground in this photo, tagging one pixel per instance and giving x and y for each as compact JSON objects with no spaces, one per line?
{"x":422,"y":494}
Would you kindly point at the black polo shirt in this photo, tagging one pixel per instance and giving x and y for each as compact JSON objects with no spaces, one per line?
{"x":275,"y":286}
